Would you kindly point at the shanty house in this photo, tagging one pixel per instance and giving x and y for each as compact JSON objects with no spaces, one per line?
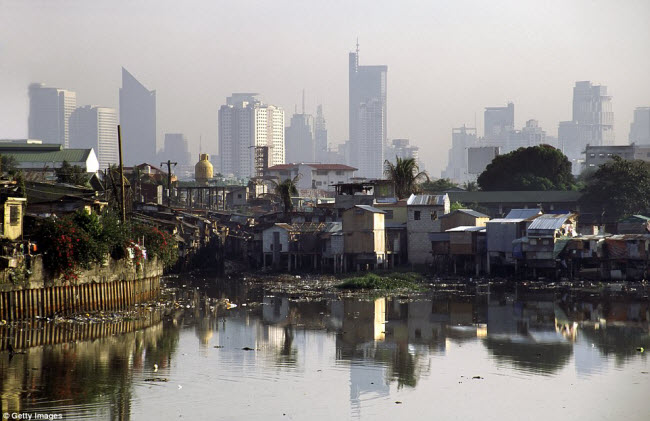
{"x":635,"y":224}
{"x":423,"y":213}
{"x":467,"y":247}
{"x":275,"y":244}
{"x":13,"y":210}
{"x":463,"y":218}
{"x":546,"y":238}
{"x":364,"y":237}
{"x":501,"y":232}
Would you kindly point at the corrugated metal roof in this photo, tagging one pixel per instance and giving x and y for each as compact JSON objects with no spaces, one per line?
{"x":426,"y":200}
{"x":505,"y":221}
{"x":70,"y":155}
{"x":549,"y":222}
{"x":369,"y":208}
{"x":469,"y":228}
{"x":473,"y":213}
{"x":522,"y":213}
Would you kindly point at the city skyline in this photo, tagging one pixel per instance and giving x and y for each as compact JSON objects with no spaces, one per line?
{"x":461,"y":64}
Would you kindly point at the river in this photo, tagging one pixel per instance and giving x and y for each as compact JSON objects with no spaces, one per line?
{"x":278,"y":356}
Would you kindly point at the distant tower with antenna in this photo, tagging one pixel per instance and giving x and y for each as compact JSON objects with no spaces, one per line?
{"x":367,"y":116}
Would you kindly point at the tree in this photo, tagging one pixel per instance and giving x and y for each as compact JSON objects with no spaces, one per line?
{"x":535,"y":168}
{"x":8,"y":164}
{"x":619,"y":188}
{"x":439,"y":185}
{"x":71,"y":174}
{"x":470,"y":186}
{"x":285,"y":189}
{"x":406,"y":175}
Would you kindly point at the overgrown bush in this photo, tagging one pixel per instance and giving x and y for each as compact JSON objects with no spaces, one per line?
{"x":76,"y":242}
{"x":158,"y":243}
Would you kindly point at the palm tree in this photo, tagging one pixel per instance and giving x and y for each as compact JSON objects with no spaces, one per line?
{"x":406,"y":175}
{"x":285,"y":189}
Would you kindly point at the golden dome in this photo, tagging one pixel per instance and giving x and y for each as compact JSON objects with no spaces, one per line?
{"x":203,"y":170}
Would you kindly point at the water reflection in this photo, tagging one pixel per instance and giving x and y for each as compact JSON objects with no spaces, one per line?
{"x":373,"y":348}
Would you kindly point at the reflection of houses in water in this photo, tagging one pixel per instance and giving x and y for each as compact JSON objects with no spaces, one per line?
{"x":524,"y":333}
{"x":78,"y":371}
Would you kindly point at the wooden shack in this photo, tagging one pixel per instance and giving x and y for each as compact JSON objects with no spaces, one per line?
{"x":364,"y":237}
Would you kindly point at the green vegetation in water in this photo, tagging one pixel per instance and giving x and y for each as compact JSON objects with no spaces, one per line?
{"x":388,"y":281}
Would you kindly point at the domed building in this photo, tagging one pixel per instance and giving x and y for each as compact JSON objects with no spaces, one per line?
{"x":203,"y":170}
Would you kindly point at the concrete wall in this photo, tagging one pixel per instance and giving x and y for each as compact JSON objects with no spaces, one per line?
{"x":113,"y":270}
{"x":419,"y":245}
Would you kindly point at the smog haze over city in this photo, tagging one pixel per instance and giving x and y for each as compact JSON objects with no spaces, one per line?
{"x":446,"y":61}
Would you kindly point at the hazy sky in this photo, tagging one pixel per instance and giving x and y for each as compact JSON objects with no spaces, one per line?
{"x":446,"y":60}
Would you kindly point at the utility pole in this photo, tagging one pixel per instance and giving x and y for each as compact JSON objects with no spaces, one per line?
{"x":169,"y":180}
{"x":119,"y":141}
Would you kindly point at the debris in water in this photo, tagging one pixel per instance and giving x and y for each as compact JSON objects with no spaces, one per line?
{"x":248,"y":349}
{"x":180,"y":387}
{"x":155,"y":367}
{"x":398,"y":402}
{"x":477,"y":377}
{"x":156,"y":379}
{"x":640,"y":349}
{"x":218,"y":346}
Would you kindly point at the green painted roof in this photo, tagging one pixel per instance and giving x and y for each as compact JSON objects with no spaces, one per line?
{"x":70,"y":155}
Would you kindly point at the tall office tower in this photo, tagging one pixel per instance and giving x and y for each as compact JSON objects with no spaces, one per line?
{"x":96,"y":127}
{"x":592,"y":123}
{"x":137,"y":121}
{"x":462,"y":138}
{"x":592,"y":110}
{"x":498,"y":123}
{"x":367,"y":116}
{"x":251,"y":136}
{"x":49,"y":114}
{"x":299,"y":138}
{"x":640,"y":127}
{"x":320,"y":135}
{"x":176,"y":149}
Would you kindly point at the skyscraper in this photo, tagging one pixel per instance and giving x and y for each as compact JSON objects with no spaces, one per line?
{"x":299,"y":138}
{"x":320,"y":135}
{"x":367,"y":116}
{"x":49,"y":114}
{"x":592,"y":123}
{"x":251,"y":136}
{"x":498,"y":123}
{"x":462,"y":138}
{"x":96,"y":127}
{"x":137,"y":120}
{"x":640,"y":127}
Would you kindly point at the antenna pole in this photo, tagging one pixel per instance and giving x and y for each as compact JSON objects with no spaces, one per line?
{"x":119,"y":141}
{"x":169,"y":180}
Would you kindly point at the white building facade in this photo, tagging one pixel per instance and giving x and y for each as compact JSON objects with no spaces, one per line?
{"x":96,"y":127}
{"x":313,"y":176}
{"x":250,"y":129}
